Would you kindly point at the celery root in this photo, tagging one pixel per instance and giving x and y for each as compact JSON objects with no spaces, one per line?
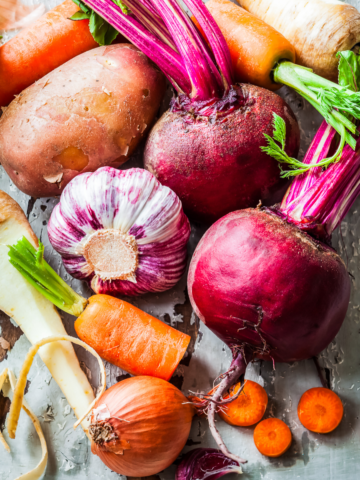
{"x":35,"y":315}
{"x":318,"y":29}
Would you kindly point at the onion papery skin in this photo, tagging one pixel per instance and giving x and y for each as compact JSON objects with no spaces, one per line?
{"x":156,"y":422}
{"x":134,"y":203}
{"x":215,"y":165}
{"x":260,"y":283}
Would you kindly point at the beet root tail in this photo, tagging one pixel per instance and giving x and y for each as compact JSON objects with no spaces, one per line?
{"x":237,"y":368}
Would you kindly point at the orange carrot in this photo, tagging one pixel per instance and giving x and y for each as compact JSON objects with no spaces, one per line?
{"x":272,"y":437}
{"x":255,"y":47}
{"x":130,"y":338}
{"x":48,"y":43}
{"x":248,"y":408}
{"x":320,"y":410}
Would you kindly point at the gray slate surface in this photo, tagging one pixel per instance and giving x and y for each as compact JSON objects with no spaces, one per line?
{"x":334,"y":456}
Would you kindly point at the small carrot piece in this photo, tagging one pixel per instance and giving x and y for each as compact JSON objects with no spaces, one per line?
{"x":248,"y":408}
{"x":37,"y":50}
{"x":272,"y":437}
{"x":320,"y":410}
{"x":255,"y":47}
{"x":130,"y":338}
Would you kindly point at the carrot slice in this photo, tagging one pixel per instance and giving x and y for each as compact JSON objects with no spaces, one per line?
{"x":130,"y":338}
{"x":272,"y":437}
{"x":248,"y":408}
{"x":320,"y":410}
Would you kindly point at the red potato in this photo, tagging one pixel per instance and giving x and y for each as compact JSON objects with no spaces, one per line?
{"x":89,"y":113}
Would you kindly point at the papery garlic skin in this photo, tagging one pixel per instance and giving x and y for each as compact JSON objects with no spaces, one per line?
{"x":122,"y":231}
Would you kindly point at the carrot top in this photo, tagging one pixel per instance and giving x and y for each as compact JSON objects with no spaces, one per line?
{"x":272,"y":437}
{"x":320,"y":410}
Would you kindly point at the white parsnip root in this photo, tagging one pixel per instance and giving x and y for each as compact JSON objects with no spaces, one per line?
{"x":35,"y":315}
{"x":37,"y":472}
{"x":18,"y":398}
{"x":318,"y":29}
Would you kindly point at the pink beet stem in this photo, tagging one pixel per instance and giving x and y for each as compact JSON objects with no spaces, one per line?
{"x":169,"y":61}
{"x":151,"y":20}
{"x":317,"y":151}
{"x":216,"y":40}
{"x":322,"y":207}
{"x":165,"y":33}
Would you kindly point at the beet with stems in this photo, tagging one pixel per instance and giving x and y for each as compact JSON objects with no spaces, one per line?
{"x":266,"y":280}
{"x":206,"y":148}
{"x":202,"y":148}
{"x":217,"y":166}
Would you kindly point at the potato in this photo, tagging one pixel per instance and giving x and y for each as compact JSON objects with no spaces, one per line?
{"x":90,"y":112}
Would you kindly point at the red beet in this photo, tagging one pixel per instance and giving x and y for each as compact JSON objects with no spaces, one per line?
{"x":216,"y":166}
{"x":266,"y":282}
{"x":264,"y":285}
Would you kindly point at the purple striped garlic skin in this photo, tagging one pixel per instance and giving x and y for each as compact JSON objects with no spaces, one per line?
{"x":122,"y":231}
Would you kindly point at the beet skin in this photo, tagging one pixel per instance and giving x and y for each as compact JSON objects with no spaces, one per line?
{"x":216,"y":166}
{"x":264,"y":285}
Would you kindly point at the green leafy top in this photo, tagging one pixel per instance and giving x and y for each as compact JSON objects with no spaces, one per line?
{"x":344,"y":97}
{"x":32,"y":266}
{"x":349,"y":70}
{"x":100,"y":29}
{"x":278,"y":151}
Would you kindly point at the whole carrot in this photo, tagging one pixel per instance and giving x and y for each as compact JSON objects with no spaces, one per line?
{"x":48,"y":43}
{"x":130,"y":338}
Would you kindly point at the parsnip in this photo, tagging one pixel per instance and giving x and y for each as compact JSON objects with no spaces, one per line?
{"x":35,"y":315}
{"x":318,"y":29}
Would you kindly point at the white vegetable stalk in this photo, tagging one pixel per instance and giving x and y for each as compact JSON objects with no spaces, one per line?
{"x":122,"y":231}
{"x":35,"y":315}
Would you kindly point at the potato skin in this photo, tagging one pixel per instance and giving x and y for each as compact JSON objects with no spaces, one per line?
{"x":89,"y":113}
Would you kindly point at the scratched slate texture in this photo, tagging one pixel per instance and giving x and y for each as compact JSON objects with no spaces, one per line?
{"x":335,"y":455}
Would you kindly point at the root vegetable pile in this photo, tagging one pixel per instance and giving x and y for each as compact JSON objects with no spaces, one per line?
{"x":264,"y":277}
{"x":207,"y":146}
{"x":246,"y":258}
{"x":260,"y":56}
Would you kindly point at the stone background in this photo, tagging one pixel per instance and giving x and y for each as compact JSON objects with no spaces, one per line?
{"x":332,"y":456}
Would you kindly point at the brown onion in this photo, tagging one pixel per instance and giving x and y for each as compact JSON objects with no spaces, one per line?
{"x":140,"y":425}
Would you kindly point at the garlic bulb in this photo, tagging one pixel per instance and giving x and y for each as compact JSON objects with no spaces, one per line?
{"x":122,"y":231}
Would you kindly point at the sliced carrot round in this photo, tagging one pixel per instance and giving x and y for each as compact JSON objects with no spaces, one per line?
{"x":320,"y":410}
{"x":248,"y":408}
{"x":272,"y":437}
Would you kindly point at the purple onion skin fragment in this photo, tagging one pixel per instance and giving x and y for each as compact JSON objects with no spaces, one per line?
{"x":205,"y":463}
